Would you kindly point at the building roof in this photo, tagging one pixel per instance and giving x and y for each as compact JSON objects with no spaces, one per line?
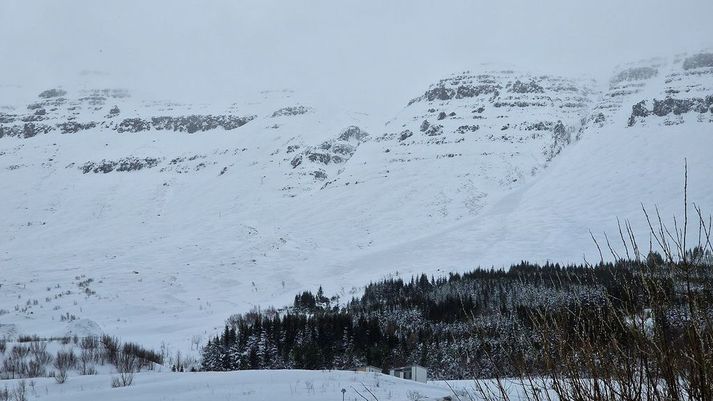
{"x":408,"y":367}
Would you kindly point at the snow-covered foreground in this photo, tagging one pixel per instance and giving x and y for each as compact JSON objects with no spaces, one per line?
{"x":471,"y":390}
{"x":263,"y":385}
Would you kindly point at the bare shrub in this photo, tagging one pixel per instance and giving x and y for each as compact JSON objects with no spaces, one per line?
{"x":14,"y":365}
{"x":86,"y":358}
{"x":37,"y":347}
{"x":145,"y":357}
{"x":63,"y":362}
{"x":89,"y":354}
{"x":116,"y":381}
{"x":128,"y":359}
{"x":20,"y":351}
{"x":110,"y":347}
{"x":35,"y":369}
{"x":127,"y":364}
{"x":60,"y":376}
{"x":40,"y":356}
{"x":89,"y":344}
{"x":20,"y":391}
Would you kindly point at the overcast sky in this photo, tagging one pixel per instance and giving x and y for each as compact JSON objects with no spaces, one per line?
{"x":368,"y":54}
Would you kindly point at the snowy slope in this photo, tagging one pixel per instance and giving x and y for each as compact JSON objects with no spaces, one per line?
{"x":157,"y":221}
{"x":262,"y":385}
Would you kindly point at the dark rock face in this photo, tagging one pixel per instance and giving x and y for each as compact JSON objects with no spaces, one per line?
{"x":439,"y":93}
{"x":635,"y":74}
{"x":539,"y":126}
{"x":660,"y":91}
{"x":638,"y":110}
{"x":669,"y":105}
{"x":50,"y":93}
{"x":323,"y":158}
{"x":291,"y":111}
{"x":190,"y":124}
{"x":523,"y":108}
{"x":110,"y":93}
{"x":698,"y":61}
{"x":522,"y":104}
{"x":296,"y":161}
{"x":343,"y":149}
{"x":113,"y":112}
{"x":561,"y":137}
{"x":196,"y":123}
{"x":467,"y":128}
{"x":72,"y":127}
{"x":7,"y":118}
{"x":34,"y":117}
{"x":460,"y":87}
{"x":30,"y":129}
{"x":466,"y":91}
{"x":434,"y":130}
{"x":353,"y":132}
{"x":9,"y":131}
{"x":66,"y":114}
{"x":27,"y":130}
{"x":126,"y":164}
{"x":682,"y":106}
{"x":530,"y":87}
{"x":332,"y":152}
{"x":319,"y":175}
{"x":47,"y":104}
{"x":560,"y":133}
{"x":405,"y":135}
{"x":520,"y":91}
{"x":133,"y":125}
{"x":93,"y":100}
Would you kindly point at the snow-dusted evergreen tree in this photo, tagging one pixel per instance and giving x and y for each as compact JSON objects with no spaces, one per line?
{"x":457,"y":326}
{"x":344,"y":353}
{"x":252,"y":353}
{"x":267,"y":353}
{"x":236,"y":355}
{"x":212,"y":354}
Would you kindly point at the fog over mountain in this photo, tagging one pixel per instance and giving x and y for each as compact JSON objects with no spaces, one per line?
{"x":366,"y":55}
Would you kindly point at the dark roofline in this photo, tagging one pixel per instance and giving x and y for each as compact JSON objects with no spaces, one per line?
{"x":409,"y":367}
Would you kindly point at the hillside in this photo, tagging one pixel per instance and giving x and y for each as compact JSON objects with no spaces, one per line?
{"x":153,"y":220}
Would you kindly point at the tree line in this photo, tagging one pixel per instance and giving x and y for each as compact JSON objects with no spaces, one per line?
{"x":483,"y":323}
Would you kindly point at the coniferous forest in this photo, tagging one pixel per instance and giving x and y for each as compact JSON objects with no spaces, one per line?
{"x":484,"y":323}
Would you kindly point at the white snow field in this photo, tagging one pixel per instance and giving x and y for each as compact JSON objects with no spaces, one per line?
{"x":154,"y":221}
{"x":253,"y":385}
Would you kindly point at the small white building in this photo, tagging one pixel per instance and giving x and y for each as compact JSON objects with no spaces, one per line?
{"x":368,"y":369}
{"x":413,"y":372}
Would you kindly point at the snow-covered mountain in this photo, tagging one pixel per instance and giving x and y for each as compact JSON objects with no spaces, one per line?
{"x":155,"y":220}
